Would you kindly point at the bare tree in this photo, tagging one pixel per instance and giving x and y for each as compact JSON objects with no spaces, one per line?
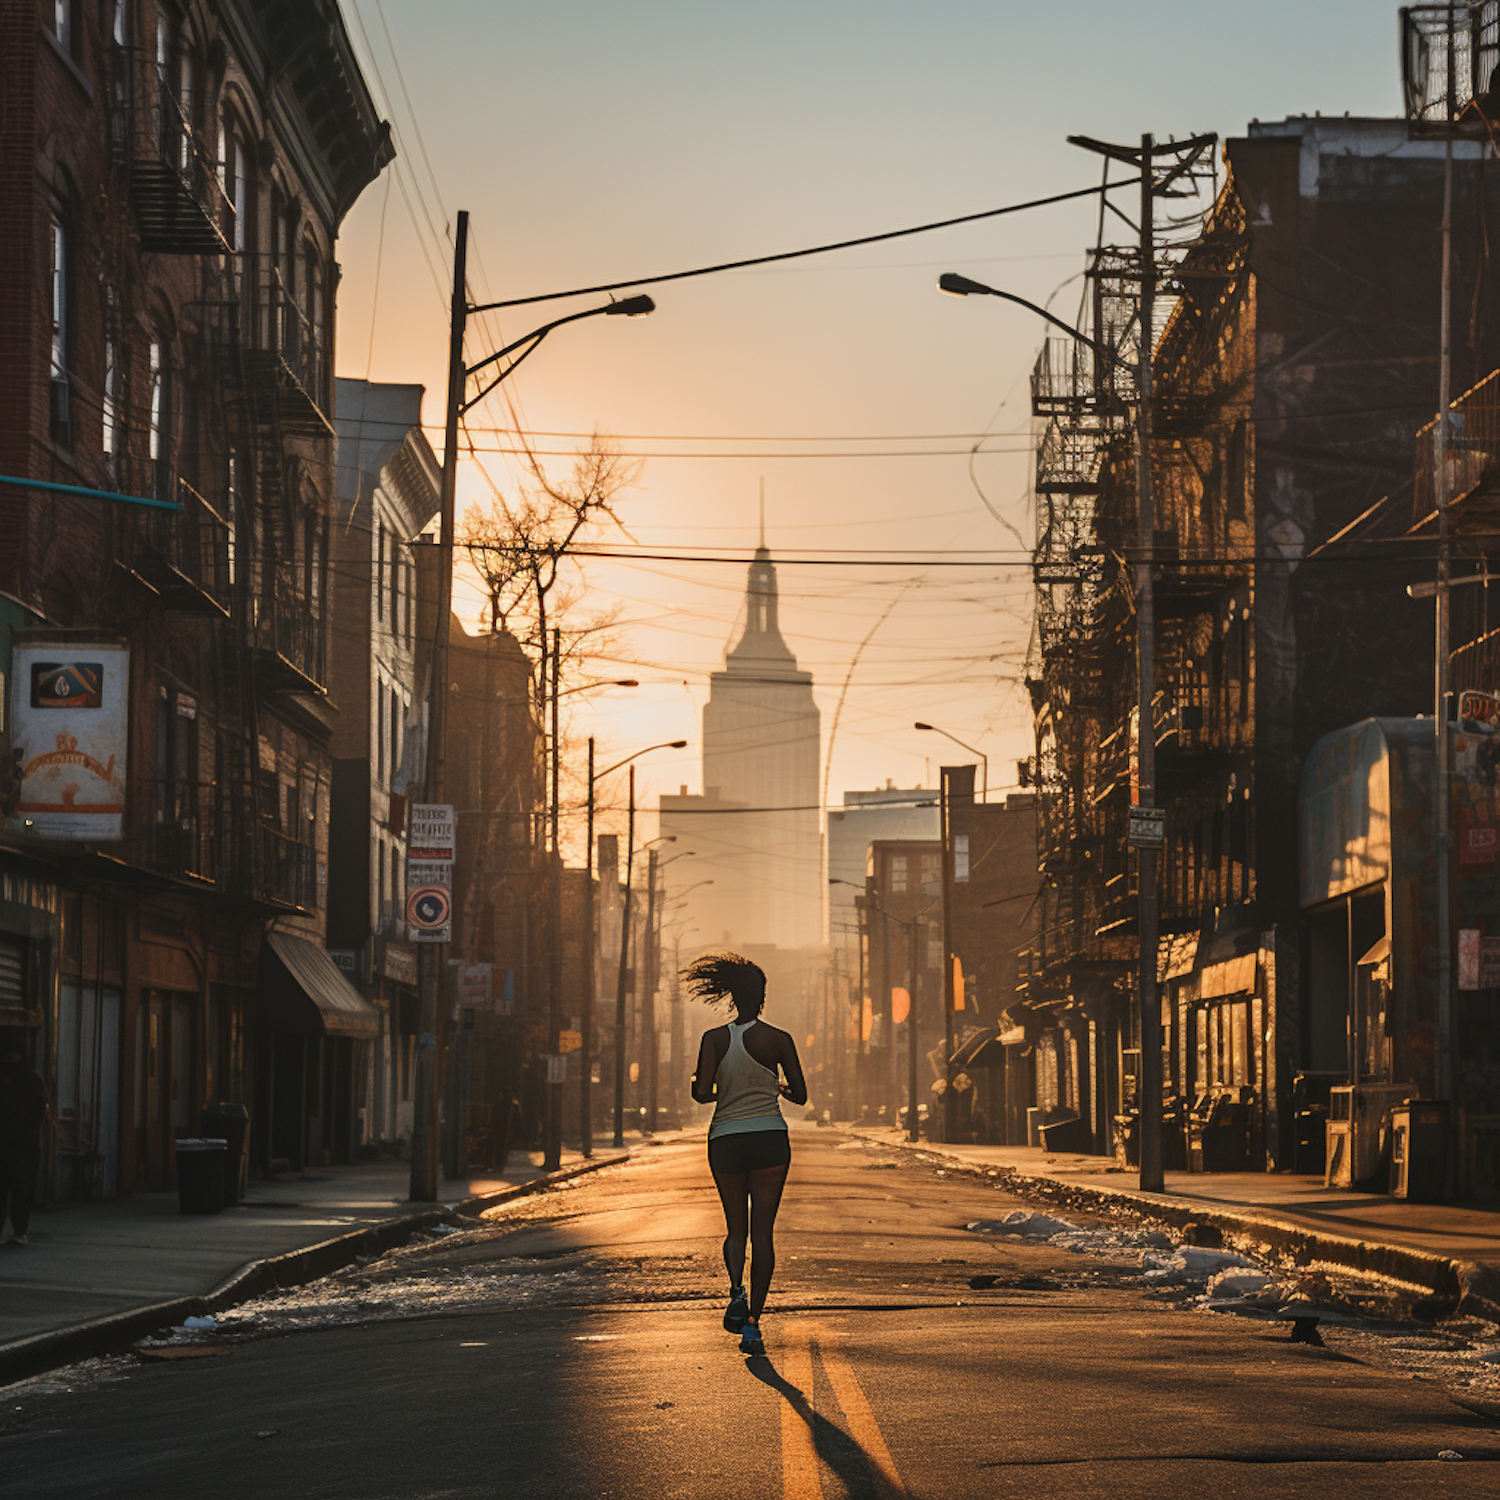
{"x":524,"y":553}
{"x":520,"y":548}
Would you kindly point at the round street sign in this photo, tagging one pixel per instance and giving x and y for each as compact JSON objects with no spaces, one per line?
{"x":429,"y":906}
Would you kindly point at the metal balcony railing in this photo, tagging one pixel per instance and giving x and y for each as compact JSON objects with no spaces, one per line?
{"x":1473,"y":448}
{"x":286,"y":869}
{"x":175,"y":195}
{"x":288,"y":637}
{"x":268,"y":337}
{"x":176,"y":828}
{"x":1448,"y":58}
{"x":185,"y":554}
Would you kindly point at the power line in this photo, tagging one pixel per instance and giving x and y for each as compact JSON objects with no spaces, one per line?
{"x":871,"y":453}
{"x":763,"y":260}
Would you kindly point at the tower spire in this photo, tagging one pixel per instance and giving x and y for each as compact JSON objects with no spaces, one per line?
{"x":762,"y":546}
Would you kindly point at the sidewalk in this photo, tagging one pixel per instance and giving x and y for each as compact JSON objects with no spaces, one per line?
{"x":91,"y":1260}
{"x":1456,"y":1232}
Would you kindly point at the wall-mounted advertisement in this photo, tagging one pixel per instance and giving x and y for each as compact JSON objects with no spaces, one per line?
{"x":70,"y":719}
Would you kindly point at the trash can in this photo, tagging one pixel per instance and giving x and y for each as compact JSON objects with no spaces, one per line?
{"x":200,"y":1176}
{"x":231,"y":1122}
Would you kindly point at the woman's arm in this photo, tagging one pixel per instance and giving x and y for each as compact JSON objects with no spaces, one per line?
{"x":708,"y":1065}
{"x":795,"y":1087}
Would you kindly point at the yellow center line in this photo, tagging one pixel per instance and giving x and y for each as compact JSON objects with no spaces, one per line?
{"x":863,"y":1427}
{"x":800,"y":1476}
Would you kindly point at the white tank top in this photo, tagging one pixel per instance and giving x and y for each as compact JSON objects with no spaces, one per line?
{"x":748,"y":1092}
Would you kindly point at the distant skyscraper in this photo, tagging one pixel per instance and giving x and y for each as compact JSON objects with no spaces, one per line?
{"x":756,"y":830}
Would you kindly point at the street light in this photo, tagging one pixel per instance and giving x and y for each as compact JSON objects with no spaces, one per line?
{"x":983,"y":758}
{"x":432,"y":956}
{"x":586,"y":1096}
{"x":631,"y":307}
{"x":912,"y":972}
{"x":955,"y":285}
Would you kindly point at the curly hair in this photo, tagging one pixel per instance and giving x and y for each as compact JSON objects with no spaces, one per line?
{"x":727,"y":977}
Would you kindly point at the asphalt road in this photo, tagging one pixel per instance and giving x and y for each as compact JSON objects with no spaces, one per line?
{"x":595,"y":1366}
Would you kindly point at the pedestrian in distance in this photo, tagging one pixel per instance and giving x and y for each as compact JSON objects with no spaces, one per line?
{"x":23,"y":1108}
{"x":745,"y":1068}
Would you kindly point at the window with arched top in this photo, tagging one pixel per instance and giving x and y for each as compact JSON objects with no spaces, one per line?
{"x":159,"y":417}
{"x":236,"y":182}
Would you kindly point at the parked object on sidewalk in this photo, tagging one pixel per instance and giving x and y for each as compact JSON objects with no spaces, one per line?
{"x":1219,"y":1129}
{"x":231,"y":1122}
{"x":1067,"y":1132}
{"x":200,"y":1176}
{"x":1356,"y":1119}
{"x":23,"y":1108}
{"x":1419,"y":1150}
{"x":1310,"y":1119}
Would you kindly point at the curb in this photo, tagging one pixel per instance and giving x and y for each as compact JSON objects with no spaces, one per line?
{"x":39,"y":1352}
{"x":1446,"y":1285}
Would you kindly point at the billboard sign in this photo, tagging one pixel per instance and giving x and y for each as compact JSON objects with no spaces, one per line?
{"x":70,"y":721}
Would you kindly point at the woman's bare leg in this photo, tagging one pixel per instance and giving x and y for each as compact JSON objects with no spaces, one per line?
{"x":734,"y":1194}
{"x":766,"y":1184}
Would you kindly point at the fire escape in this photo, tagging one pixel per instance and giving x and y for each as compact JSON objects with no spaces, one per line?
{"x":178,"y":561}
{"x":267,"y":362}
{"x":1081,"y":668}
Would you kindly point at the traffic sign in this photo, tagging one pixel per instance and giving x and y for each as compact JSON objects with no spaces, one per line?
{"x":429,"y":907}
{"x":430,"y":835}
{"x":429,"y":872}
{"x":1148,"y":827}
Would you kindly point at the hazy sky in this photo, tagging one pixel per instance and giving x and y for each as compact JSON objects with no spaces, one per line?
{"x":596,"y":141}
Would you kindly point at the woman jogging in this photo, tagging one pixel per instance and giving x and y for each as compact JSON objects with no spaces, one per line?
{"x":749,"y":1150}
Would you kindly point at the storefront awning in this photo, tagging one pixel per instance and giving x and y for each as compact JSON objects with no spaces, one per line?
{"x":1235,"y":976}
{"x":306,"y":967}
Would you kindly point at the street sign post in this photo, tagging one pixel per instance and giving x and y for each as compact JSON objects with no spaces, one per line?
{"x":429,"y":872}
{"x":1148,"y":828}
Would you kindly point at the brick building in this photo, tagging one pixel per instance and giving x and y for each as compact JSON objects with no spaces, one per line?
{"x":1295,"y":360}
{"x":172,"y":179}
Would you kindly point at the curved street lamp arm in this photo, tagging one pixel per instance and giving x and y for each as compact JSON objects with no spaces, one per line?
{"x":631,"y":307}
{"x":534,"y":339}
{"x":665,"y":745}
{"x":962,"y":286}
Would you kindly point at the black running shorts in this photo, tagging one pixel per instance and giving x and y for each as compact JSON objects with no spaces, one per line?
{"x":749,"y":1151}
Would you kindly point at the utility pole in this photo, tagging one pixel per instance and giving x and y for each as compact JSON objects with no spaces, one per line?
{"x":648,"y":998}
{"x":586,"y":1076}
{"x":552,"y":1158}
{"x":619,"y":1137}
{"x":945,"y":814}
{"x":679,"y":1031}
{"x":913,"y":973}
{"x":1150,"y":1077}
{"x":1442,"y":687}
{"x":432,"y":957}
{"x":892,"y":1088}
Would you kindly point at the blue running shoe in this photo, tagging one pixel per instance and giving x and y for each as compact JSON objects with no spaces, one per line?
{"x":737,"y":1314}
{"x":750,"y":1340}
